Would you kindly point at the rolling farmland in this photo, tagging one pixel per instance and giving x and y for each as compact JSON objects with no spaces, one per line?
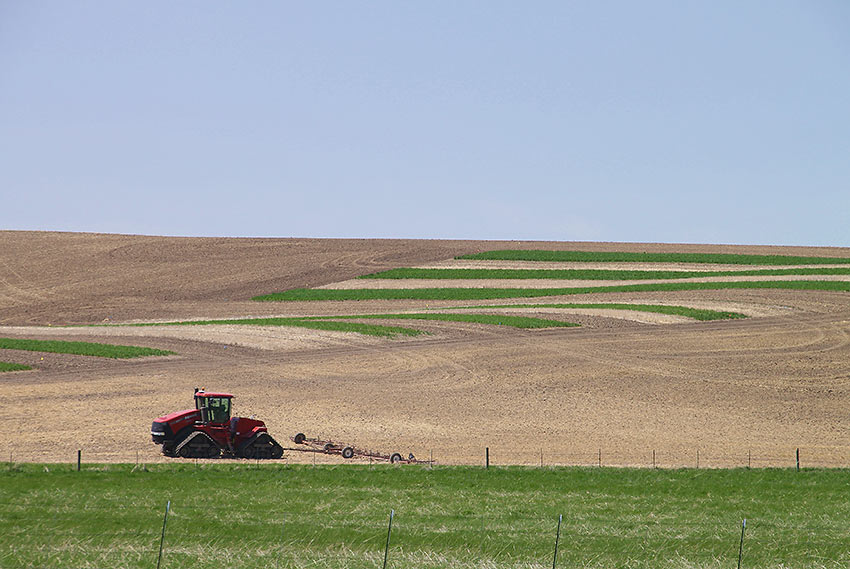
{"x":621,"y":368}
{"x":740,"y":361}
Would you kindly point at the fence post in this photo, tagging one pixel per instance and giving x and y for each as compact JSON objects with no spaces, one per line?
{"x":162,"y":538}
{"x":653,"y":458}
{"x":557,"y":539}
{"x":389,"y":531}
{"x":697,"y":459}
{"x":600,"y":458}
{"x":798,"y":460}
{"x":749,"y":459}
{"x":282,"y":537}
{"x":741,"y":547}
{"x":486,"y":457}
{"x":79,"y":458}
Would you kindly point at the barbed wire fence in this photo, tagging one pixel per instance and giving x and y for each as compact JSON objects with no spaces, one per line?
{"x":170,"y":534}
{"x":798,"y":457}
{"x":174,"y":534}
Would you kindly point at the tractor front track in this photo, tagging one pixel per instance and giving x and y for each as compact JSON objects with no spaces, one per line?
{"x":197,"y":445}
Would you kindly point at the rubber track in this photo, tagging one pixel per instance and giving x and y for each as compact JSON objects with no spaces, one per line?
{"x":192,"y":436}
{"x":254,"y":439}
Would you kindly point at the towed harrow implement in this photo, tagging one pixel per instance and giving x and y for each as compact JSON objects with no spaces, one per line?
{"x":323,"y":446}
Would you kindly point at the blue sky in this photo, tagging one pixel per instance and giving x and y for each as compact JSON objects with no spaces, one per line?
{"x":667,"y":121}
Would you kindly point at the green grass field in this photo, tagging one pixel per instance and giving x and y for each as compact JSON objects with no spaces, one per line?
{"x":613,"y":257}
{"x":695,"y":313}
{"x":264,"y":517}
{"x":6,"y":366}
{"x":590,"y":274}
{"x":80,"y":348}
{"x":306,"y":294}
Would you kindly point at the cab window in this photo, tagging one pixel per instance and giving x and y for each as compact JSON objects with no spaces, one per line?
{"x":219,"y":409}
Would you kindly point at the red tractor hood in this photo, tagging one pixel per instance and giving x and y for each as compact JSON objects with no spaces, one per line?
{"x":192,"y":414}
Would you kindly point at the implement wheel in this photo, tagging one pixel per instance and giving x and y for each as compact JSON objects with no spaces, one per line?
{"x":347,"y":452}
{"x":396,"y":457}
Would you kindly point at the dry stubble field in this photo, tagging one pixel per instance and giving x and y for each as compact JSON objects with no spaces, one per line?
{"x":627,"y":384}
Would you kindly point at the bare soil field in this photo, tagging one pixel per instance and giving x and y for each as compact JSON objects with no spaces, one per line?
{"x":626,"y":384}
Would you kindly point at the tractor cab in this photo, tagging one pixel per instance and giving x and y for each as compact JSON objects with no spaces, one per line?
{"x":214,"y":407}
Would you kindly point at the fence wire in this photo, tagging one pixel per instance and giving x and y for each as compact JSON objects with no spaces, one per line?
{"x":649,"y":458}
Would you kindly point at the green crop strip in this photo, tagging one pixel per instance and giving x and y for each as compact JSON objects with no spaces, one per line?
{"x":695,"y":313}
{"x":494,"y":319}
{"x":319,"y":323}
{"x":458,"y":517}
{"x":80,"y":348}
{"x":305,"y":294}
{"x":590,"y":274}
{"x":615,"y":257}
{"x":6,"y":366}
{"x":332,"y":322}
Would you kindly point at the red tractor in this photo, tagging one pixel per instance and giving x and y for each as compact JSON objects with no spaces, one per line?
{"x":208,"y":431}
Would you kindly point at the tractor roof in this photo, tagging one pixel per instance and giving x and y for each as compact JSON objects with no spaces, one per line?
{"x":211,"y":394}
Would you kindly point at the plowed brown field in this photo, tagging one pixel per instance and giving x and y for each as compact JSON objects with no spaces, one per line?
{"x":625,"y":384}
